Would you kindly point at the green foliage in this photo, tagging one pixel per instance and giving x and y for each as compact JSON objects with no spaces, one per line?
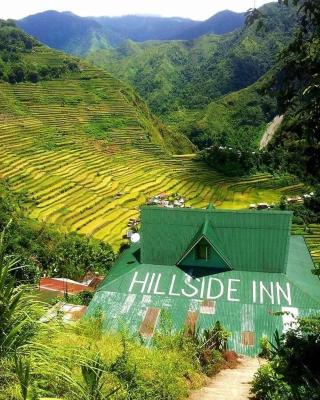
{"x":18,"y":312}
{"x":82,"y":298}
{"x":198,"y":87}
{"x":99,"y":127}
{"x":265,"y":347}
{"x":297,"y":144}
{"x":205,"y":348}
{"x":293,"y":372}
{"x":81,"y":362}
{"x":41,"y":249}
{"x":236,"y":120}
{"x":268,"y":385}
{"x":14,"y":68}
{"x":306,"y":213}
{"x":229,"y":161}
{"x":23,"y":373}
{"x":175,"y":74}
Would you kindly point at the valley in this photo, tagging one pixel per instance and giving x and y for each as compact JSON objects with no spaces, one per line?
{"x":85,"y":177}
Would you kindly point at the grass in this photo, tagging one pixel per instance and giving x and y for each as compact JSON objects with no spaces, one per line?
{"x":74,"y":144}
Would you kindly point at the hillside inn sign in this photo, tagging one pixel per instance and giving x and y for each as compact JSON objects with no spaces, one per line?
{"x":211,"y":288}
{"x":242,"y":268}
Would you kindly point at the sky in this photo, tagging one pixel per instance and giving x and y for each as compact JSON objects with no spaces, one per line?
{"x":194,"y":9}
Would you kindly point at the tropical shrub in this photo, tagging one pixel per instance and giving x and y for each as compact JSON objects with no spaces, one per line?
{"x":294,"y":371}
{"x":41,"y":249}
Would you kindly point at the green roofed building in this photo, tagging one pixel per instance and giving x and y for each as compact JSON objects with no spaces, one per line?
{"x":242,"y":268}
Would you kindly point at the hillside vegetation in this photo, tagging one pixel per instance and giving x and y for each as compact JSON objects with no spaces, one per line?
{"x":15,"y":68}
{"x":296,"y":146}
{"x":190,"y":74}
{"x":88,"y":152}
{"x":66,"y":31}
{"x":38,"y":249}
{"x":236,"y":120}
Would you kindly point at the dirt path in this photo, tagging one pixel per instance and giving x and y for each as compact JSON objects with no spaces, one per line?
{"x":270,"y":131}
{"x":230,"y":384}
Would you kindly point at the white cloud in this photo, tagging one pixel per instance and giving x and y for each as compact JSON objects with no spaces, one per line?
{"x":198,"y":9}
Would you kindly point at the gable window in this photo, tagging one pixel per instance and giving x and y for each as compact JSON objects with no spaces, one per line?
{"x":202,"y":250}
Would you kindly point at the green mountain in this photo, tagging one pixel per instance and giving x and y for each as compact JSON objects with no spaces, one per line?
{"x":223,"y":22}
{"x":68,"y":32}
{"x":140,"y":28}
{"x":80,"y":36}
{"x":191,"y":74}
{"x":185,"y":82}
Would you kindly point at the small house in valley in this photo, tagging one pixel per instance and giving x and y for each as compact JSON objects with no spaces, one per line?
{"x":198,"y":266}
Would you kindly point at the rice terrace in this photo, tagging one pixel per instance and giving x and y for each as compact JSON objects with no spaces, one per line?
{"x":82,"y":176}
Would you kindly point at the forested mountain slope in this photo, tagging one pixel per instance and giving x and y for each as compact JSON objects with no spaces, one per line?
{"x":191,"y":74}
{"x":68,"y":32}
{"x":236,"y":120}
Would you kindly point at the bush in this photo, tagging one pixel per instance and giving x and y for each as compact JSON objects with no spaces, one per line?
{"x":265,"y":347}
{"x":267,"y":384}
{"x":44,"y":250}
{"x":293,"y":372}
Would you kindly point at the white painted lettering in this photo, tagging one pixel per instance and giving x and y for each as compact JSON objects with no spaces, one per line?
{"x":231,"y":289}
{"x":254,"y":291}
{"x":171,"y":292}
{"x":280,"y":291}
{"x":203,"y":283}
{"x":151,"y":282}
{"x":270,"y":293}
{"x":156,"y":291}
{"x":136,"y":282}
{"x":188,"y":281}
{"x":220,"y":293}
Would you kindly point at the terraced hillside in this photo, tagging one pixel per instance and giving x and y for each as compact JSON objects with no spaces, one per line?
{"x":88,"y":155}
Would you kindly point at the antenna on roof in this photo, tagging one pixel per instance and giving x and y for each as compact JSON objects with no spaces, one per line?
{"x":135,"y":238}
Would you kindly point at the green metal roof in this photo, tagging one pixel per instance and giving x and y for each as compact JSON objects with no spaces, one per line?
{"x":248,"y":240}
{"x":255,"y":270}
{"x":243,"y":301}
{"x":206,"y":231}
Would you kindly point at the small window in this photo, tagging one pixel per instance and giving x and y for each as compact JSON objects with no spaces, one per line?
{"x":202,"y":250}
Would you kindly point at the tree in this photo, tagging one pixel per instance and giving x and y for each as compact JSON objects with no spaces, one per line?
{"x":297,"y":86}
{"x":18,"y":311}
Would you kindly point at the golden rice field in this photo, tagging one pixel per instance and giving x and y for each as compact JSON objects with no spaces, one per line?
{"x":79,"y":148}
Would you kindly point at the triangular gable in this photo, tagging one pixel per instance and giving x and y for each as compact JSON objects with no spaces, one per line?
{"x":207,"y":233}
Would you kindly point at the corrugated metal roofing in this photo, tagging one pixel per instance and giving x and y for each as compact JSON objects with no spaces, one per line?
{"x":63,"y":286}
{"x":243,"y":301}
{"x":245,"y":238}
